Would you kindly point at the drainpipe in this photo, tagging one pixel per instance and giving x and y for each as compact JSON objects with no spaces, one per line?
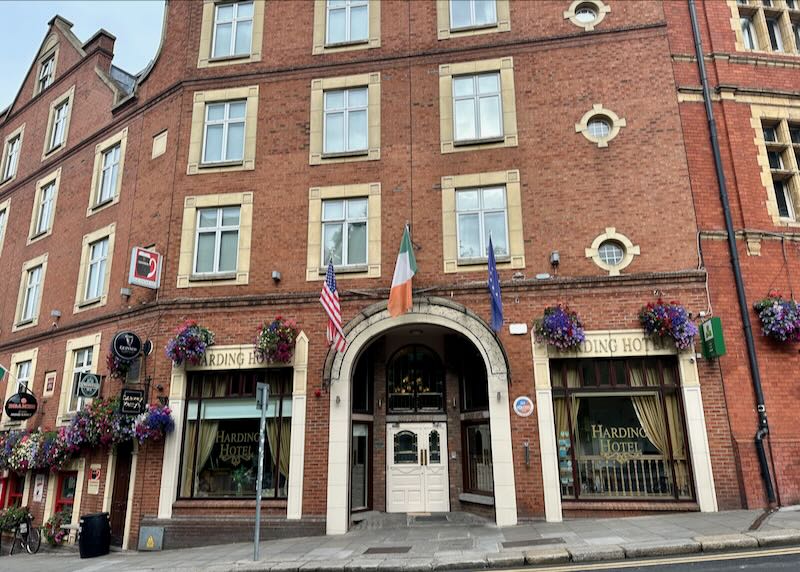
{"x":763,"y":425}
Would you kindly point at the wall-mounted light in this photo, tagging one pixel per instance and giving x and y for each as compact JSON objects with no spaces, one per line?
{"x":338,"y":399}
{"x":527,"y":447}
{"x":276,"y":276}
{"x":380,"y":403}
{"x":126,"y":292}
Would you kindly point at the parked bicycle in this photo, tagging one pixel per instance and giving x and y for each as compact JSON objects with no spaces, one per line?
{"x":26,"y":536}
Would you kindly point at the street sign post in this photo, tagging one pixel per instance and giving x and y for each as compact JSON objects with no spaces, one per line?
{"x":262,"y":402}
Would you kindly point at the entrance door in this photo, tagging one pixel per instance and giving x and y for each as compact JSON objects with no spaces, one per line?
{"x":119,"y":495}
{"x":416,"y":468}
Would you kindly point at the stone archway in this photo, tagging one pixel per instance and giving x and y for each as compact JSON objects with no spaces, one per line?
{"x":366,"y":326}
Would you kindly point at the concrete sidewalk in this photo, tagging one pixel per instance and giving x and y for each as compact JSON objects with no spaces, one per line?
{"x":418,"y":543}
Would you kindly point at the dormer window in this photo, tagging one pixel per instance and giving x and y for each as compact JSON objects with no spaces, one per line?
{"x":47,"y":72}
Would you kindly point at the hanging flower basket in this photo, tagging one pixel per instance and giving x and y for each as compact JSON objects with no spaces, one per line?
{"x":780,"y":318}
{"x":275,"y":340}
{"x":117,"y":368}
{"x":668,"y":320}
{"x":560,"y":327}
{"x":189,"y":344}
{"x":155,"y":423}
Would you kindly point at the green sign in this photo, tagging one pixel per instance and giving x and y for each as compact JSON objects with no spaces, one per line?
{"x":713,"y":340}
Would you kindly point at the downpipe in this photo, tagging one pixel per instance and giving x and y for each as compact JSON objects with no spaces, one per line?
{"x":763,"y":424}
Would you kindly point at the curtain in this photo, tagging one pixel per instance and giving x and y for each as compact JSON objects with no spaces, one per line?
{"x":677,"y":441}
{"x":208,"y":437}
{"x":285,"y":443}
{"x":188,"y":458}
{"x":648,"y":411}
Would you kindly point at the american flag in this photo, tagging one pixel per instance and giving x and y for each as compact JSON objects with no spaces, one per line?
{"x":330,"y":302}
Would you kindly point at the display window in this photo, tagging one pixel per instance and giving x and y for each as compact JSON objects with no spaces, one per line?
{"x":620,"y":429}
{"x":65,"y":494}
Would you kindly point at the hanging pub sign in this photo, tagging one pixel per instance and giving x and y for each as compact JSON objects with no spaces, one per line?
{"x":126,"y":346}
{"x":145,"y":268}
{"x":131,"y":401}
{"x":713,"y":341}
{"x":21,"y":406}
{"x":89,"y":385}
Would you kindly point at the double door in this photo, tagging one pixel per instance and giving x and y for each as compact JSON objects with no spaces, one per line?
{"x":416,"y":468}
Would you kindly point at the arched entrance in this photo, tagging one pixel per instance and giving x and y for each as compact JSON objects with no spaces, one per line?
{"x":374,"y":322}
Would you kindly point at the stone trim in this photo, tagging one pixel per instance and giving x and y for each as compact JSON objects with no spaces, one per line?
{"x":5,"y":207}
{"x":83,"y":272}
{"x":204,"y":59}
{"x":370,"y":191}
{"x":320,"y":30}
{"x":120,"y":138}
{"x":55,"y":176}
{"x":507,"y":95}
{"x":318,"y":88}
{"x":599,"y":7}
{"x":516,"y":242}
{"x":444,"y":31}
{"x":611,"y":233}
{"x":69,"y":97}
{"x":186,"y":256}
{"x":159,"y":144}
{"x":758,"y":14}
{"x":50,"y":48}
{"x":11,"y":385}
{"x":612,"y":118}
{"x":11,"y":136}
{"x":32,"y":263}
{"x":90,"y":340}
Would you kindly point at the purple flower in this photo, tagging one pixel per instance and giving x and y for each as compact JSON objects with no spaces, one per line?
{"x":560,"y":328}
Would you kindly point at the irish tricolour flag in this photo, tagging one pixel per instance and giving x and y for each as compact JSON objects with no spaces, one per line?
{"x":404,"y":270}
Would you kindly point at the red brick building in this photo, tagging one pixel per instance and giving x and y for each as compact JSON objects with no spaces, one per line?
{"x":249,"y":152}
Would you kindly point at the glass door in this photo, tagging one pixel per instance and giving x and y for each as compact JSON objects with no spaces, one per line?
{"x":359,"y":467}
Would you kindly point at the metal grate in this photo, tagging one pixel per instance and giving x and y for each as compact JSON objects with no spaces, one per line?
{"x":431,"y":518}
{"x":532,"y":542}
{"x":388,"y":550}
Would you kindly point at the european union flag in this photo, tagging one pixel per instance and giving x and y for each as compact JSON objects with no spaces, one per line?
{"x":494,"y":291}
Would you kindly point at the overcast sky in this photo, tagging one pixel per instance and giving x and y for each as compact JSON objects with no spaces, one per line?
{"x":23,"y":24}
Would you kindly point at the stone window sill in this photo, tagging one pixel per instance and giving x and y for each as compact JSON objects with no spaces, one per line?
{"x":358,"y":153}
{"x":482,"y":261}
{"x":486,"y":141}
{"x":354,"y":269}
{"x":231,"y":58}
{"x":473,"y":28}
{"x":219,"y":164}
{"x":89,"y":302}
{"x":212,"y":277}
{"x":333,"y":46}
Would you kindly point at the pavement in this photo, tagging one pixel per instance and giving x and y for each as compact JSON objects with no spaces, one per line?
{"x":455,"y":541}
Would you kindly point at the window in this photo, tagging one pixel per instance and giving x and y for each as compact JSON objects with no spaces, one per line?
{"x":233,"y":29}
{"x":477,"y":107}
{"x":600,"y":125}
{"x":46,"y":207}
{"x":405,"y":448}
{"x":3,"y":222}
{"x":472,"y":13}
{"x":344,"y":231}
{"x":782,"y":146}
{"x":346,"y":121}
{"x":11,"y":158}
{"x":65,"y":494}
{"x":611,"y":252}
{"x":217,"y":240}
{"x":360,"y":477}
{"x":415,"y":380}
{"x":481,"y":214}
{"x":23,"y":375}
{"x":81,"y":365}
{"x":478,"y":466}
{"x":775,"y":38}
{"x":748,"y":33}
{"x":98,"y":256}
{"x":586,"y":14}
{"x":59,"y":130}
{"x":47,"y":72}
{"x":791,"y":4}
{"x":599,"y":128}
{"x":16,"y":489}
{"x":223,"y":139}
{"x":220,"y":446}
{"x":472,"y":378}
{"x":784,"y":200}
{"x":33,"y":284}
{"x":109,"y":164}
{"x":215,"y":249}
{"x":109,"y":173}
{"x":619,"y":429}
{"x":347,"y":21}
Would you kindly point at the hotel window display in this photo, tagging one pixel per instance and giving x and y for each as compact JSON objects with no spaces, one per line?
{"x":619,"y":429}
{"x":416,"y":381}
{"x":221,"y":434}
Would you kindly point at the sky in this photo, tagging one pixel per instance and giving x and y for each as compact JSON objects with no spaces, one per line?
{"x":23,"y":24}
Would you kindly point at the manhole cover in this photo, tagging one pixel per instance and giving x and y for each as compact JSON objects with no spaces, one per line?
{"x":388,"y":550}
{"x":532,"y":542}
{"x":431,"y":518}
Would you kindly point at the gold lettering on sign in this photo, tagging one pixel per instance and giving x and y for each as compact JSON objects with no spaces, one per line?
{"x":236,"y":447}
{"x":231,"y":358}
{"x":618,"y":443}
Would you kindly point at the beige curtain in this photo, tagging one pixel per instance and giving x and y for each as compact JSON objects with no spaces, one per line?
{"x":648,"y":411}
{"x":562,"y":420}
{"x":677,"y":440}
{"x":208,"y":437}
{"x":188,"y":458}
{"x":285,"y":443}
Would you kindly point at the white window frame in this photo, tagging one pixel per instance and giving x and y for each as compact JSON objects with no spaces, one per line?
{"x":749,"y":37}
{"x":787,"y":197}
{"x":235,"y":21}
{"x":58,"y":130}
{"x":225,"y":122}
{"x":774,"y":25}
{"x":11,"y":158}
{"x":23,"y":378}
{"x":31,"y":294}
{"x":481,"y":212}
{"x":346,"y":110}
{"x":84,"y":352}
{"x":472,"y":24}
{"x":3,"y":223}
{"x":46,"y":73}
{"x":217,"y":230}
{"x":45,"y":206}
{"x":96,"y":269}
{"x":476,"y":98}
{"x":108,"y":174}
{"x":344,"y":222}
{"x":348,"y":6}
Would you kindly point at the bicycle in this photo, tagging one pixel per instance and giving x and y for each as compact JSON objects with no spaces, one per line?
{"x":28,"y":536}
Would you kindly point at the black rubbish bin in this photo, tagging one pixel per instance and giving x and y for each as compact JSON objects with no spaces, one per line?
{"x":95,"y":535}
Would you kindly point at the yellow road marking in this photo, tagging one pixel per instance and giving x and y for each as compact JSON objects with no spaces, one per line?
{"x":662,"y":561}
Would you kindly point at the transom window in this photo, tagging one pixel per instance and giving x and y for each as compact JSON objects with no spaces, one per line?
{"x":82,"y":364}
{"x":344,"y":231}
{"x":59,"y":125}
{"x":611,"y":252}
{"x":30,"y":301}
{"x":477,"y":107}
{"x":217,"y":240}
{"x":109,"y":174}
{"x":481,"y":213}
{"x":46,"y":73}
{"x":98,"y":258}
{"x":472,"y":13}
{"x":233,"y":29}
{"x":12,"y":158}
{"x":415,"y":380}
{"x":347,"y":21}
{"x":23,"y":375}
{"x":345,"y":128}
{"x":223,"y":139}
{"x":45,"y":214}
